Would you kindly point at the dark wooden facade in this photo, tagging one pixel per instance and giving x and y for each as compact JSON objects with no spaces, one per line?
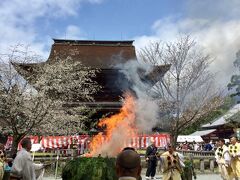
{"x":103,"y":55}
{"x":225,"y":131}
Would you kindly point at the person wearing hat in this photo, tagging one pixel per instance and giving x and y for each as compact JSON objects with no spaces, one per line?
{"x":223,"y":160}
{"x":151,"y":158}
{"x":128,"y":165}
{"x":171,"y":164}
{"x":234,"y":150}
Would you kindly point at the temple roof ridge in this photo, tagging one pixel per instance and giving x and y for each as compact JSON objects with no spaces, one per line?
{"x":95,"y":42}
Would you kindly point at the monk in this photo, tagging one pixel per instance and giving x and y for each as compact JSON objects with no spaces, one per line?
{"x":128,"y":165}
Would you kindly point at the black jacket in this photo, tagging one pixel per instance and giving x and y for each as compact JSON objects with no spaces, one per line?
{"x":151,"y":153}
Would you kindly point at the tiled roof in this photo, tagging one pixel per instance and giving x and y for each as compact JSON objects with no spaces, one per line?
{"x":202,"y":133}
{"x":94,"y":42}
{"x":223,"y":120}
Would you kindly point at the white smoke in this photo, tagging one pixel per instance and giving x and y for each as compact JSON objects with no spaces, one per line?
{"x":214,"y":25}
{"x":219,"y":39}
{"x":147,"y":110}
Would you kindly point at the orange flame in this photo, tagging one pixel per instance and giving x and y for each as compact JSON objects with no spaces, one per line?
{"x":119,"y":128}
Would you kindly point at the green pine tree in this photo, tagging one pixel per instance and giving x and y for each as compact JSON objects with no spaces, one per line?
{"x":235,"y":79}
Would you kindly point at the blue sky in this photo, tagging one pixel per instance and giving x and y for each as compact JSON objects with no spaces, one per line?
{"x":122,"y":19}
{"x":109,"y":19}
{"x":214,"y":24}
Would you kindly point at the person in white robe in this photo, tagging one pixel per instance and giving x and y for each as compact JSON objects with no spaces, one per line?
{"x":23,"y":166}
{"x":223,"y":160}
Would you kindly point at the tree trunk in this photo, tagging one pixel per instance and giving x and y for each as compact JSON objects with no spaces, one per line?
{"x":39,"y":138}
{"x":16,"y":140}
{"x":175,"y":130}
{"x":173,"y":139}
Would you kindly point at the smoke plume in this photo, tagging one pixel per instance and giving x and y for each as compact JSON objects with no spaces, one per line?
{"x":147,"y":110}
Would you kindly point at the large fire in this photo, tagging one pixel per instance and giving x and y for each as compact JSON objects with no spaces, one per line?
{"x":119,"y":128}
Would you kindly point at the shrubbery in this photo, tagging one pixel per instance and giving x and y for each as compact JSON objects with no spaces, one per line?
{"x":95,"y":168}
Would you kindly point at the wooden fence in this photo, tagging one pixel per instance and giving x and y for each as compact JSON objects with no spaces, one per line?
{"x":203,"y":160}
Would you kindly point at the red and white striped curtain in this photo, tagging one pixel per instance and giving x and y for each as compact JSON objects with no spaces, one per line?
{"x":64,"y":142}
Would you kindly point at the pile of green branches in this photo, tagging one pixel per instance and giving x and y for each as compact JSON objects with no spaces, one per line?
{"x":95,"y":168}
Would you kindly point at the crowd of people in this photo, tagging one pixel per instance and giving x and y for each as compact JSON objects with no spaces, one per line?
{"x":128,"y":162}
{"x":196,"y":146}
{"x":172,"y":164}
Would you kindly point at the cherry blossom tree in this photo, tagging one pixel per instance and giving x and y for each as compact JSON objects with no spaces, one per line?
{"x":40,"y":104}
{"x":187,"y":92}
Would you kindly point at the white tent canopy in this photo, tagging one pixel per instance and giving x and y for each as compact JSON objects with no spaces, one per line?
{"x":183,"y":138}
{"x":36,"y":147}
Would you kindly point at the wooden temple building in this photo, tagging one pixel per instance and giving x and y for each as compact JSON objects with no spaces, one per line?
{"x":103,"y":55}
{"x":224,"y":127}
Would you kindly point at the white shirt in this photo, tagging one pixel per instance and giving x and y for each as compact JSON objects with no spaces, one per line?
{"x":24,"y":167}
{"x":196,"y":146}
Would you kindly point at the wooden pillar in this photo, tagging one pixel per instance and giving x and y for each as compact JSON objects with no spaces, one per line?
{"x":72,"y":154}
{"x":51,"y":160}
{"x":212,"y":165}
{"x":202,"y":168}
{"x":63,"y":163}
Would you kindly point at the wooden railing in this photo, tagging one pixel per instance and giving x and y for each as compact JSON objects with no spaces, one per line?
{"x":204,"y":160}
{"x":197,"y":153}
{"x":204,"y":157}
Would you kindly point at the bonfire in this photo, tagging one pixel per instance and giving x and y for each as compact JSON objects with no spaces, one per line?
{"x":119,"y":129}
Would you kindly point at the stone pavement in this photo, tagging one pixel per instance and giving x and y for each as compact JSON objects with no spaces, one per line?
{"x":199,"y":177}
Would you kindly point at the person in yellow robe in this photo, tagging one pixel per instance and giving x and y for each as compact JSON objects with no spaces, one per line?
{"x":2,"y":160}
{"x":223,"y":160}
{"x":234,"y":150}
{"x":1,"y":164}
{"x":171,"y":164}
